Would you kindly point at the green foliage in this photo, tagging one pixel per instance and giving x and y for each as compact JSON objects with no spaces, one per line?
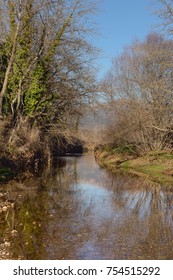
{"x":126,"y":149}
{"x":22,"y":57}
{"x":3,"y":62}
{"x":12,"y":16}
{"x":46,"y":76}
{"x":160,"y":155}
{"x":36,"y":91}
{"x":52,"y":50}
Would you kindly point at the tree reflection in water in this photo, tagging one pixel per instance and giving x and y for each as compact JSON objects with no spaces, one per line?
{"x":80,"y":211}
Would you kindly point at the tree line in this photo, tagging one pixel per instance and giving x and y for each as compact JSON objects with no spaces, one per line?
{"x":46,"y":71}
{"x":138,"y":91}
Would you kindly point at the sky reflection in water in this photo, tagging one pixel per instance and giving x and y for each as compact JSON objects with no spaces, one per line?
{"x":81,"y":211}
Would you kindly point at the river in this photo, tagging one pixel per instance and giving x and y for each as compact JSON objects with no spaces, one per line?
{"x":81,"y":211}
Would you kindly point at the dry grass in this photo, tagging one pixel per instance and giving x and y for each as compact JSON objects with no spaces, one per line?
{"x":158,"y":166}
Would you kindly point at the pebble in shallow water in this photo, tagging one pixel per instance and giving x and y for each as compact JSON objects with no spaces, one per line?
{"x":5,"y":245}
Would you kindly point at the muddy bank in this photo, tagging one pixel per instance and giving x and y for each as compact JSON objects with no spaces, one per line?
{"x":156,"y":166}
{"x":34,"y":161}
{"x":13,"y":165}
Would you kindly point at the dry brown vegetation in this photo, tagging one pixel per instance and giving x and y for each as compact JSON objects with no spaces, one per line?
{"x":47,"y":75}
{"x":139,"y":96}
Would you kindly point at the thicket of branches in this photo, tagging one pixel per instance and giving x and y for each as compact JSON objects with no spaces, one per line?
{"x":139,"y":94}
{"x":45,"y":70}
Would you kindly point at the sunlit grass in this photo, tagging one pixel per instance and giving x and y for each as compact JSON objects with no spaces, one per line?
{"x":157,"y":165}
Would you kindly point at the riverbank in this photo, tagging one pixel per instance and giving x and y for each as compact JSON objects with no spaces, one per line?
{"x":156,"y":166}
{"x":5,"y":244}
{"x":18,"y":167}
{"x":29,"y":161}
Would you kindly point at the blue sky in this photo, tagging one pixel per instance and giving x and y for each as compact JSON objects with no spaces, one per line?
{"x":120,"y":22}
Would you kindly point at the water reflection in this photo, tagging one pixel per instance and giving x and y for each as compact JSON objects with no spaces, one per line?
{"x":80,"y":211}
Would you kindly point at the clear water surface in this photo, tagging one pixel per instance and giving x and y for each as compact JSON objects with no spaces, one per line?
{"x":80,"y":211}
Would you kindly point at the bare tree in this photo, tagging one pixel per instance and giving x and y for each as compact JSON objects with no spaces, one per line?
{"x":57,"y":32}
{"x":48,"y":75}
{"x":139,"y":90}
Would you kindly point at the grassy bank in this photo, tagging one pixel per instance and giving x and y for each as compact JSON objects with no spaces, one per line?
{"x":156,"y":166}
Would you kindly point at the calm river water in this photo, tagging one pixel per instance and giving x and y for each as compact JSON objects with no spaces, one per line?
{"x":80,"y":211}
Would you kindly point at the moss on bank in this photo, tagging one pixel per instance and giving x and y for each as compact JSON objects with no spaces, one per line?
{"x":156,"y":166}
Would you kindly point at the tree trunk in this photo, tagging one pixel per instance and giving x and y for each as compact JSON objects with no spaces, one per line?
{"x":7,"y":73}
